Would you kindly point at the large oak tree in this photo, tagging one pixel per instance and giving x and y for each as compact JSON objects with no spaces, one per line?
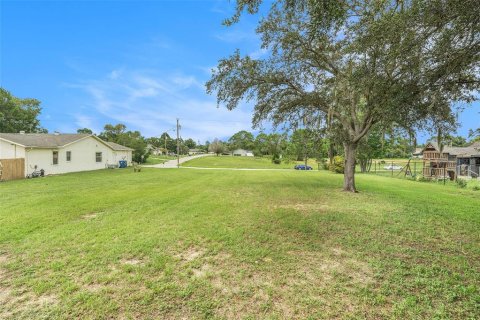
{"x":356,"y":63}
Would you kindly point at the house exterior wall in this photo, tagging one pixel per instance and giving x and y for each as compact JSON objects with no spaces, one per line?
{"x":83,"y":157}
{"x":11,"y":151}
{"x":120,"y":155}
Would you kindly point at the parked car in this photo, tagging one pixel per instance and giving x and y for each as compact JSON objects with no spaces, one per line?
{"x":392,"y":167}
{"x":302,"y":167}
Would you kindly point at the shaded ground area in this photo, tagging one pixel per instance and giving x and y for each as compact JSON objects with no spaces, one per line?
{"x":196,"y":244}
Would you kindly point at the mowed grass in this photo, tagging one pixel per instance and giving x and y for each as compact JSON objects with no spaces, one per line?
{"x":153,"y":159}
{"x":202,"y":244}
{"x":243,"y":163}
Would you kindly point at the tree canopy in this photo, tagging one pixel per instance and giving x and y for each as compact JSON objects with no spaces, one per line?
{"x":85,"y":130}
{"x":356,"y":63}
{"x":18,"y":114}
{"x":132,"y":139}
{"x":241,"y":140}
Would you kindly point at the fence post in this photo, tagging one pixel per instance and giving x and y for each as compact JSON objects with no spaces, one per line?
{"x":444,"y":171}
{"x":392,"y":168}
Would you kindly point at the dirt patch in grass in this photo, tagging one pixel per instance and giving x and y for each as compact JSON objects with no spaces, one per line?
{"x":16,"y":302}
{"x":93,"y":287}
{"x":249,"y":289}
{"x":3,"y":258}
{"x":338,"y":264}
{"x":191,"y":254}
{"x":91,"y":215}
{"x":132,"y":262}
{"x":202,"y":271}
{"x":303,"y":208}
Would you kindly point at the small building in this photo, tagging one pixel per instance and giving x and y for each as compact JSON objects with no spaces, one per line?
{"x":61,"y":153}
{"x":468,"y":161}
{"x":451,"y":162}
{"x":192,"y":152}
{"x":154,"y":150}
{"x":242,"y":153}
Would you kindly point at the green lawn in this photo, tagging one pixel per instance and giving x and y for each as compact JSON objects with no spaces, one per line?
{"x":195,"y":244}
{"x":152,"y":159}
{"x":243,"y":163}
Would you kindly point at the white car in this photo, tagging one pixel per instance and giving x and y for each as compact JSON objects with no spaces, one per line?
{"x":392,"y":167}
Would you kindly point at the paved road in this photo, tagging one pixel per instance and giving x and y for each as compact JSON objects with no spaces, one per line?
{"x":173,"y":163}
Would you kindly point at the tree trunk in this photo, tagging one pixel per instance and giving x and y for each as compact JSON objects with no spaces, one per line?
{"x":330,"y":153}
{"x":349,"y":174}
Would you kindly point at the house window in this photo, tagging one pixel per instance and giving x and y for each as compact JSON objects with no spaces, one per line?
{"x":55,"y":157}
{"x":69,"y":155}
{"x":98,"y":156}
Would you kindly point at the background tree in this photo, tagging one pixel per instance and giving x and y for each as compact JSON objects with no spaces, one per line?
{"x":216,"y":147}
{"x":474,"y":135}
{"x":276,"y":145}
{"x":85,"y":131}
{"x":206,"y":146}
{"x":132,"y":139}
{"x":370,"y":148}
{"x":308,"y":143}
{"x":356,"y":63}
{"x":190,"y":143}
{"x":112,"y":132}
{"x":241,"y":140}
{"x":261,"y":145}
{"x":18,"y":114}
{"x":168,"y":143}
{"x":455,"y":141}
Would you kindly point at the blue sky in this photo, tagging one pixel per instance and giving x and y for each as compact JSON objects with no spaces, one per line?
{"x":141,"y":63}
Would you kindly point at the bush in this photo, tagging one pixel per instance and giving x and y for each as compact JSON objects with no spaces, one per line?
{"x":422,"y":179}
{"x":476,"y":188}
{"x":276,"y":159}
{"x":461,"y":183}
{"x":338,"y":164}
{"x":323,"y":163}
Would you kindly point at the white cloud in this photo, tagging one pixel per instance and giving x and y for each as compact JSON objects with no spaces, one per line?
{"x":257,"y":54}
{"x":115,"y":74}
{"x":150,"y":102}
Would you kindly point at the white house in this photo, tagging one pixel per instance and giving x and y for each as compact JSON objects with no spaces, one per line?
{"x":62,"y":153}
{"x":242,"y":153}
{"x":192,"y":152}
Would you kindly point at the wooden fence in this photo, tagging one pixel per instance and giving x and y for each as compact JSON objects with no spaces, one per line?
{"x":11,"y":169}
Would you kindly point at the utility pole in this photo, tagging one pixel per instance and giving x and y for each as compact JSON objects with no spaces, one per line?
{"x":165,"y":136}
{"x":178,"y":144}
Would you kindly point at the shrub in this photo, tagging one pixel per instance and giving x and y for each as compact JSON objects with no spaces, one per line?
{"x":276,"y":159}
{"x":461,"y":183}
{"x":422,"y":179}
{"x":476,"y":188}
{"x":323,"y":163}
{"x":338,"y":164}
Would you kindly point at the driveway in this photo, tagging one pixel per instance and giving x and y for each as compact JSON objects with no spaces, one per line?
{"x":173,"y":163}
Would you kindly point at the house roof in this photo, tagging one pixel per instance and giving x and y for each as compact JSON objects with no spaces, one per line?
{"x":418,"y":151}
{"x":42,"y":140}
{"x":118,"y":147}
{"x":473,"y":149}
{"x":45,"y":140}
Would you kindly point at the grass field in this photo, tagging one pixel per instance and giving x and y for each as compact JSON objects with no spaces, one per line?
{"x":201,"y":244}
{"x":243,"y":162}
{"x":152,"y":159}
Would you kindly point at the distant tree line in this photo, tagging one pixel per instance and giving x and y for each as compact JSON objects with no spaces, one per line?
{"x":17,"y":114}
